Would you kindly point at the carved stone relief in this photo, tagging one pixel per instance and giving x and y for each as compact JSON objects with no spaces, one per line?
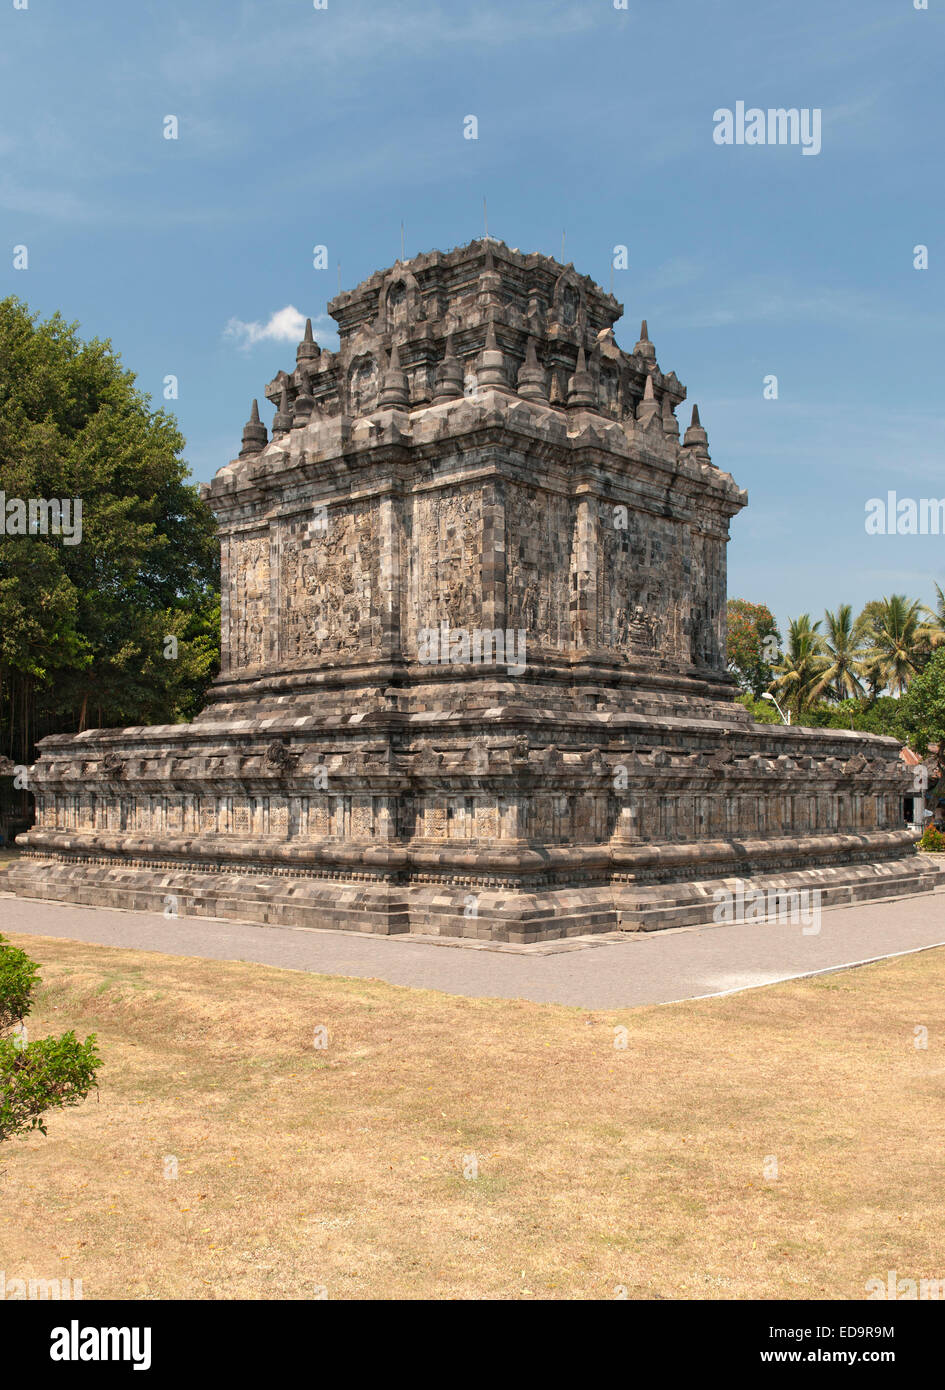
{"x":329,"y":604}
{"x":539,"y":536}
{"x":249,"y":599}
{"x":445,"y":564}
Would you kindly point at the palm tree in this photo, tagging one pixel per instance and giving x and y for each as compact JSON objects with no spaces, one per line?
{"x":900,"y":633}
{"x":799,"y":674}
{"x":843,"y":649}
{"x":872,"y":666}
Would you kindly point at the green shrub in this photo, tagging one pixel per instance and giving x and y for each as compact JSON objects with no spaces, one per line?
{"x":19,"y":976}
{"x":41,"y":1075}
{"x":933,"y":840}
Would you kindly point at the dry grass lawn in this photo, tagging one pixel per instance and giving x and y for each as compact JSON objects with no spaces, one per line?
{"x":342,"y":1168}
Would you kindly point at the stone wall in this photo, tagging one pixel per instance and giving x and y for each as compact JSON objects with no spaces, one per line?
{"x":479,"y":457}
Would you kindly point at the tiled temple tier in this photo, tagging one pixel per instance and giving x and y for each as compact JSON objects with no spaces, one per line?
{"x":413,"y":688}
{"x":748,"y":773}
{"x":550,"y":825}
{"x":435,"y":905}
{"x":480,"y":456}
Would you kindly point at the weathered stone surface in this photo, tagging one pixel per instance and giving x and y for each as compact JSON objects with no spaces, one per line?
{"x":473,"y":677}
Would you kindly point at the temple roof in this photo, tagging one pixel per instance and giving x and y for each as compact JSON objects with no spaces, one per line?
{"x":436,"y":311}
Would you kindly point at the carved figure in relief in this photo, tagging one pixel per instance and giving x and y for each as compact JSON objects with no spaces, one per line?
{"x":529,"y":608}
{"x":643,"y":630}
{"x":253,"y":604}
{"x":448,"y":532}
{"x":281,"y":757}
{"x":331,"y":588}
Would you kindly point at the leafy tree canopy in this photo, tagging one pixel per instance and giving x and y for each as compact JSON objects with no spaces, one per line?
{"x":753,"y":642}
{"x":832,"y":673}
{"x":922,"y":710}
{"x":83,"y":626}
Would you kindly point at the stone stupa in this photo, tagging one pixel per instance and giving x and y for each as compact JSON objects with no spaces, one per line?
{"x":473,"y":653}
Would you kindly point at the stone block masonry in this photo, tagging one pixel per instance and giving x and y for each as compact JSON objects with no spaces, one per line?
{"x":481,"y":460}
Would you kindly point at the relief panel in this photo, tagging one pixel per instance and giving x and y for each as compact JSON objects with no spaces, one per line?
{"x":443,"y":547}
{"x":330,"y":604}
{"x":249,"y":605}
{"x":539,"y":530}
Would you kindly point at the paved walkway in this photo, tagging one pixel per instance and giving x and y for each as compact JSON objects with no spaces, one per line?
{"x":592,"y":972}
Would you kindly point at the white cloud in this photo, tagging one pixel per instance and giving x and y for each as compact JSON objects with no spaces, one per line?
{"x":284,"y":326}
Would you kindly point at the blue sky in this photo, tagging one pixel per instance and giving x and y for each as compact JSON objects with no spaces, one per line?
{"x":301,"y":126}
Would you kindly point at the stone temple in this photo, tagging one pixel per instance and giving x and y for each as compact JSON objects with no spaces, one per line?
{"x":473,"y":653}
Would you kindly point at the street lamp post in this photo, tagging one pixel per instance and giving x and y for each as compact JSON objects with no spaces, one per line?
{"x":785,"y":718}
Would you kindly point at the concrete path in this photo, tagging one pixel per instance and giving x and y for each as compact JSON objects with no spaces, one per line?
{"x":592,"y":972}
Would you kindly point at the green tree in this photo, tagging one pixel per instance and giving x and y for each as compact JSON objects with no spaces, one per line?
{"x":35,"y":1076}
{"x":753,"y":642}
{"x":900,"y":635}
{"x":798,"y":676}
{"x":922,"y":711}
{"x":843,"y":649}
{"x":938,"y":620}
{"x":866,"y":716}
{"x":931,"y":634}
{"x":871,"y":665}
{"x":82,"y":626}
{"x":761,"y":711}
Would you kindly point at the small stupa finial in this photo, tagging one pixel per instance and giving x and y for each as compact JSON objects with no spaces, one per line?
{"x":307,"y":349}
{"x":395,"y":389}
{"x":648,"y":408}
{"x":582,"y":393}
{"x":255,"y":434}
{"x":644,"y":348}
{"x":449,"y":374}
{"x":696,"y":438}
{"x":282,"y":420}
{"x":490,"y":368}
